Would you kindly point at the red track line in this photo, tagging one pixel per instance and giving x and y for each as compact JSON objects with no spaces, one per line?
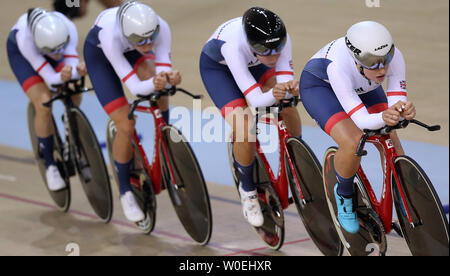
{"x":262,"y":248}
{"x":125,"y":224}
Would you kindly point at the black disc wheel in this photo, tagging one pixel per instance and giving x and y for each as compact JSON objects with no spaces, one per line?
{"x":90,"y":165}
{"x":307,"y":179}
{"x":427,"y":234}
{"x":184,"y":181}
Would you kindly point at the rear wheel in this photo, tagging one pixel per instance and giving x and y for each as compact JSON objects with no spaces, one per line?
{"x":272,"y":231}
{"x":371,"y":238}
{"x":141,"y":184}
{"x":187,"y":188}
{"x":91,"y":166}
{"x":428,"y":233}
{"x":313,"y":210}
{"x":62,"y":197}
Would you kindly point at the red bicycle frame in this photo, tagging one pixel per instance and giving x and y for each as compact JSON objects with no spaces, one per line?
{"x":384,"y":207}
{"x":279,"y":183}
{"x":154,"y":169}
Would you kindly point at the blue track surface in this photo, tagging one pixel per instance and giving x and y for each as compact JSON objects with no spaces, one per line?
{"x":212,"y":156}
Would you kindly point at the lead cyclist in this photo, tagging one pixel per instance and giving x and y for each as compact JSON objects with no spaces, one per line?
{"x":129,"y":44}
{"x":341,"y":88}
{"x":42,"y":52}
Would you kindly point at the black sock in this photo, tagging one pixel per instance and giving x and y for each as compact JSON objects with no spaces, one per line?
{"x":46,"y":145}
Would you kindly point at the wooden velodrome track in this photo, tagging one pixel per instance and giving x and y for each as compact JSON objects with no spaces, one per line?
{"x":30,"y":225}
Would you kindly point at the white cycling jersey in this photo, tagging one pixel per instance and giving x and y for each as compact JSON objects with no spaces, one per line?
{"x":336,"y":66}
{"x":232,"y":49}
{"x":114,"y":45}
{"x":31,"y":53}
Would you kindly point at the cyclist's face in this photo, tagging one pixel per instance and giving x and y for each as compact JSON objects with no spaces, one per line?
{"x":269,"y":61}
{"x":56,"y":56}
{"x":376,"y":75}
{"x":144,"y":49}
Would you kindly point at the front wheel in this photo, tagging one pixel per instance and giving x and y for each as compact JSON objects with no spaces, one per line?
{"x":90,"y":165}
{"x":184,"y":181}
{"x":313,"y":210}
{"x":427,"y":234}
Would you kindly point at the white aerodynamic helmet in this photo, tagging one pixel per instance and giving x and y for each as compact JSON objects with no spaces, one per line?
{"x":370,"y":44}
{"x":49,"y":31}
{"x":138,"y":22}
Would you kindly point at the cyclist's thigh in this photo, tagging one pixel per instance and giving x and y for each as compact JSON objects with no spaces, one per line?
{"x":221,"y":86}
{"x":347,"y":135}
{"x":321,"y":102}
{"x":77,"y":99}
{"x":375,"y":100}
{"x":241,"y":120}
{"x":120,"y":117}
{"x":38,"y":95}
{"x":397,"y":144}
{"x":292,"y":120}
{"x":264,"y":75}
{"x":104,"y":79}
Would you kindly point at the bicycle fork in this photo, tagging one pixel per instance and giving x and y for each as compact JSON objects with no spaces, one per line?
{"x":404,"y":205}
{"x":67,"y":153}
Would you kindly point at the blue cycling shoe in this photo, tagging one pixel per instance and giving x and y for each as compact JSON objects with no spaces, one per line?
{"x":346,"y":215}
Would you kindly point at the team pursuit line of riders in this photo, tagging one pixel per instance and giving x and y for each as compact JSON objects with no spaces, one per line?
{"x":247,"y":61}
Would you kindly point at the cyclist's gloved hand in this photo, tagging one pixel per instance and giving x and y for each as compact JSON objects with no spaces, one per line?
{"x":160,"y":81}
{"x":392,"y":115}
{"x":174,"y":77}
{"x":409,"y":111}
{"x":66,"y":73}
{"x":81,"y":69}
{"x":293,"y":87}
{"x":279,"y":91}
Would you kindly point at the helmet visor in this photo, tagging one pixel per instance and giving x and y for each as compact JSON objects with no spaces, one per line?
{"x":263,"y":50}
{"x":57,"y":50}
{"x":138,"y":40}
{"x":372,"y":62}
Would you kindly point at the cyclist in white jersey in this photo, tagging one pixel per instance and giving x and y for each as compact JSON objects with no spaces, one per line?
{"x":341,"y":88}
{"x":42,"y":52}
{"x":249,"y":60}
{"x":129,"y":44}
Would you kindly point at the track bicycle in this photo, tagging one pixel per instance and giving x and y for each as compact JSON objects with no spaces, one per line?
{"x":422,"y":221}
{"x":300,"y":171}
{"x":174,"y":167}
{"x":79,"y":153}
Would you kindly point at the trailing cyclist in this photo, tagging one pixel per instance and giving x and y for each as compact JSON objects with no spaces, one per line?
{"x":249,"y":60}
{"x":42,"y":52}
{"x":129,"y":44}
{"x":341,"y":89}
